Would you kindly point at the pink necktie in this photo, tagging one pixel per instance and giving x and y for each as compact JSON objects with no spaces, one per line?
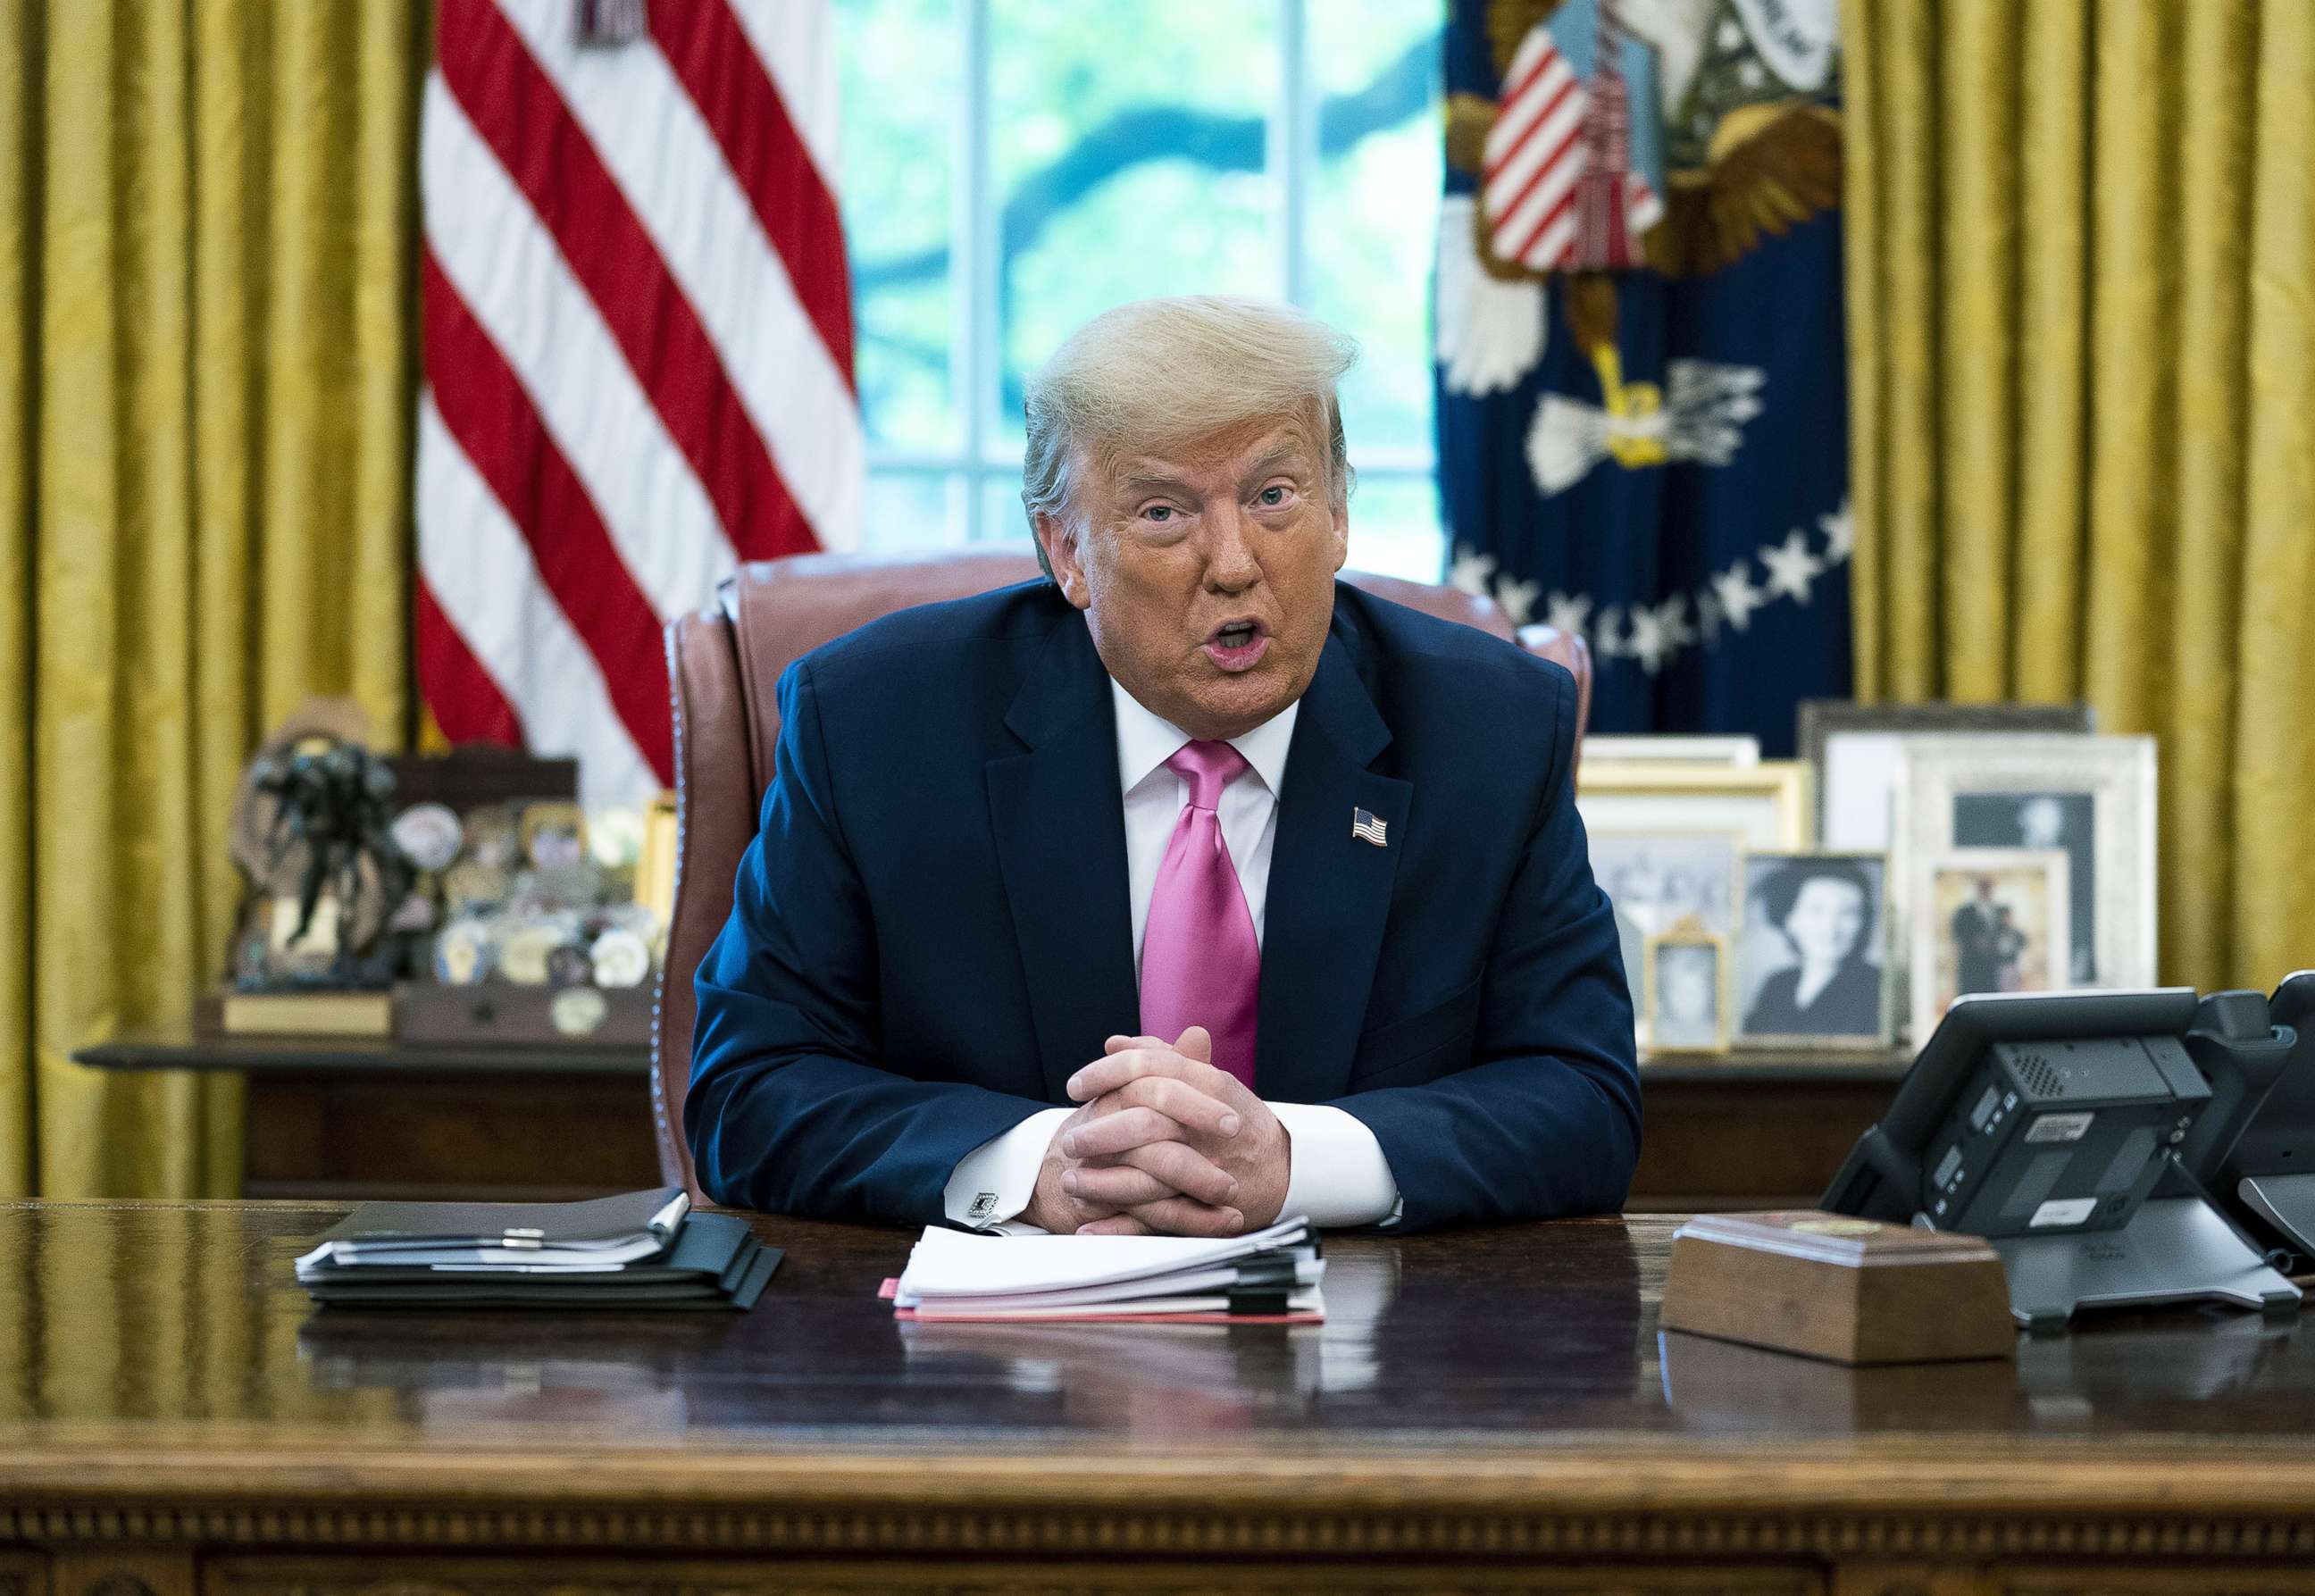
{"x":1201,"y":965}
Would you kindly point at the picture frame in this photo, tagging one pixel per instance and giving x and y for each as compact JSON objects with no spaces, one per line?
{"x":1847,"y":1012}
{"x":1655,"y":881}
{"x":2093,"y":796}
{"x":1852,"y":752}
{"x":1686,"y":992}
{"x":1768,"y":804}
{"x":2021,"y":892}
{"x":1616,"y":748}
{"x":655,"y":866}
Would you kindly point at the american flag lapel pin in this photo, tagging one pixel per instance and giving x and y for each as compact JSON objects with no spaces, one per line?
{"x":1368,"y":827}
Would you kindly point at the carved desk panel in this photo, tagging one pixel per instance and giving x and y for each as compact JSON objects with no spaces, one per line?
{"x":1491,"y":1411}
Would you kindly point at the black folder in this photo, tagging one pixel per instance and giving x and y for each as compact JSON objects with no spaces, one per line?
{"x":452,"y":1255}
{"x":542,"y":1225}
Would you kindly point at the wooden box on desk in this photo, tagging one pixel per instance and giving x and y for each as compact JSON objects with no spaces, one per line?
{"x":1848,"y":1290}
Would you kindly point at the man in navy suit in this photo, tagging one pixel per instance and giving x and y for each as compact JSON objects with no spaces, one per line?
{"x":1281,"y":885}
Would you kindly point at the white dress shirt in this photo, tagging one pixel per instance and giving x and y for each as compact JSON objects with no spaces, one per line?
{"x":1336,"y":1174}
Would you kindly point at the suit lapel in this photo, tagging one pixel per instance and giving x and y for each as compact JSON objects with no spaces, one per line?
{"x":1329,"y":892}
{"x":1059,"y":819}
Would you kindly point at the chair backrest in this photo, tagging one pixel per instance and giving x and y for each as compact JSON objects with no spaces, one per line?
{"x":723,"y":666}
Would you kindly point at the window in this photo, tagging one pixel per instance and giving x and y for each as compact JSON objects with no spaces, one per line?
{"x":1013,"y":167}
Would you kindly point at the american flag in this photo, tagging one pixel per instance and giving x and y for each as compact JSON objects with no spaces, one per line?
{"x":638,"y":352}
{"x":1557,"y":183}
{"x":1369,"y":826}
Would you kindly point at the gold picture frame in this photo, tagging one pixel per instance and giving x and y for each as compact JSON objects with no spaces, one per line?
{"x":1688,"y":1036}
{"x":655,"y":866}
{"x":1768,"y":803}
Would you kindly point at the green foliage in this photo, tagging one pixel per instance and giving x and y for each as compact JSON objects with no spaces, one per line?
{"x":1129,"y":143}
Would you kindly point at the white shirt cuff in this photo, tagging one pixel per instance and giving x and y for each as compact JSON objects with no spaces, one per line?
{"x":992,"y":1183}
{"x":1335,"y":1173}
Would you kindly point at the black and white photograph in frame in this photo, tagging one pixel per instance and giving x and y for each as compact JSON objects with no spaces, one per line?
{"x":1655,"y":881}
{"x":1685,"y":995}
{"x":1811,"y":952}
{"x":2091,"y":798}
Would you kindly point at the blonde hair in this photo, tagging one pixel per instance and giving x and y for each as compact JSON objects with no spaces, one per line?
{"x":1162,"y":372}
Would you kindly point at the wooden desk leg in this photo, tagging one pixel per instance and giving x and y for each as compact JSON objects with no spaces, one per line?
{"x":124,"y":1572}
{"x":1911,"y":1578}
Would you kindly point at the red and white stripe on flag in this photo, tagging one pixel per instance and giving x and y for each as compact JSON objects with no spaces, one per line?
{"x":638,"y":355}
{"x":1556,"y":179}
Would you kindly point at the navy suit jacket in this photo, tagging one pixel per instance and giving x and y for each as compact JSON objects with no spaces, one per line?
{"x":930,"y":934}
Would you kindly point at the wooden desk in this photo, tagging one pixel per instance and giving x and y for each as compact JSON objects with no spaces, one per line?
{"x":345,"y":1121}
{"x":1484,"y":1411}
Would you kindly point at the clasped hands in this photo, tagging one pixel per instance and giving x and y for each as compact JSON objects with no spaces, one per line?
{"x":1165,"y":1144}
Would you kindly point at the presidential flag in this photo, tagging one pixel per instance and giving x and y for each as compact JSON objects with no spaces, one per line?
{"x":1641,"y":385}
{"x":637,"y":353}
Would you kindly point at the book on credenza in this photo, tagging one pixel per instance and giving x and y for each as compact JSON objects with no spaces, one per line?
{"x":1270,"y":1275}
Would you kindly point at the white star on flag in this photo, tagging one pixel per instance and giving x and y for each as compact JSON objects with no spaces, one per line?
{"x":1736,"y":595}
{"x":1517,"y":597}
{"x":1470,"y":573}
{"x":1650,"y":645}
{"x":1607,"y":641}
{"x":1568,"y":612}
{"x":1673,"y":616}
{"x":1791,"y":567}
{"x":1840,"y":530}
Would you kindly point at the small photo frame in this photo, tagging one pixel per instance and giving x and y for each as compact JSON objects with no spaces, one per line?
{"x":1656,"y":881}
{"x":1991,"y":921}
{"x":1686,"y":990}
{"x":1768,"y":804}
{"x":1811,"y":967}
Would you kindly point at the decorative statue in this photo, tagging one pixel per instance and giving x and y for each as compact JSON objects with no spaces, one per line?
{"x":312,"y":832}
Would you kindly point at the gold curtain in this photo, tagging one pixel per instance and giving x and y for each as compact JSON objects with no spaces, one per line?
{"x":2081,"y":289}
{"x":206,"y":364}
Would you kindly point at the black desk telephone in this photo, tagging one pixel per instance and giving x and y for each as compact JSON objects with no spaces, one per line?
{"x":2266,"y":1177}
{"x":2083,"y":1133}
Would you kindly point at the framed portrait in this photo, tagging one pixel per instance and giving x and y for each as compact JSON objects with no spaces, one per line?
{"x":1685,"y":994}
{"x":1810,"y":965}
{"x":1656,"y":881}
{"x":1767,"y":804}
{"x":2091,"y":798}
{"x":1991,"y":921}
{"x":1851,"y":750}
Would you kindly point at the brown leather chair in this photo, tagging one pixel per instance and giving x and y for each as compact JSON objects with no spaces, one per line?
{"x":723,"y":666}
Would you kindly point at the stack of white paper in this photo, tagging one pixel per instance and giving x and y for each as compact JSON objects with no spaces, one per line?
{"x":1268,"y":1275}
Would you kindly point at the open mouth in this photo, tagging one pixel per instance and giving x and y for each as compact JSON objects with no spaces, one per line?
{"x":1238,"y":645}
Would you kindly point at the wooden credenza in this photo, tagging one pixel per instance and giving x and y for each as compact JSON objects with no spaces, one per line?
{"x":1486,"y":1411}
{"x":347,"y":1121}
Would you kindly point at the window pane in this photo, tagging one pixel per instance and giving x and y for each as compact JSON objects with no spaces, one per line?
{"x":1395,"y":527}
{"x":1002,"y":519}
{"x":1128,"y":141}
{"x":1374,"y":207}
{"x":912,"y":509}
{"x":902,"y":79}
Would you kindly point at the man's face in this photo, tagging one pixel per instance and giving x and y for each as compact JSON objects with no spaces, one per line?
{"x":1208,"y":576}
